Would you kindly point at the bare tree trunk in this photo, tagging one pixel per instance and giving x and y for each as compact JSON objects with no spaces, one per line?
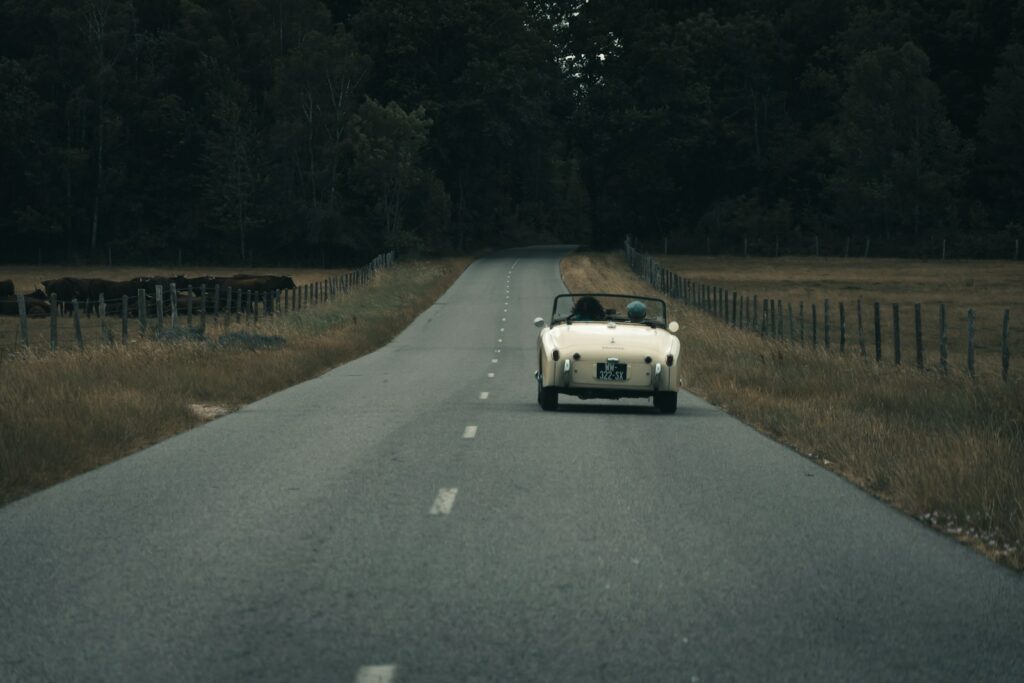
{"x":99,"y":181}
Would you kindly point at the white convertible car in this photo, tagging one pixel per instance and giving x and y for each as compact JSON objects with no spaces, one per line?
{"x":607,"y":346}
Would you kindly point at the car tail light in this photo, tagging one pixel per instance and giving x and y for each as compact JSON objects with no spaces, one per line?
{"x":670,"y":360}
{"x":555,"y":354}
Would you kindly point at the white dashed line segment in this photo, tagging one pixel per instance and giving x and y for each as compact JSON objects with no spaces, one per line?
{"x":384,"y":673}
{"x":490,"y":375}
{"x":443,"y":502}
{"x":470,"y":432}
{"x":484,"y":395}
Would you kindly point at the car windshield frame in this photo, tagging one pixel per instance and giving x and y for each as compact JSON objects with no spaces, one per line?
{"x":564,"y":315}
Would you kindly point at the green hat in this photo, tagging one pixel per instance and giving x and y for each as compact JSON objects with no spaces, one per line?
{"x":636,"y":310}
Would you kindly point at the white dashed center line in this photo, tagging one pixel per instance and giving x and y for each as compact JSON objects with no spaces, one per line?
{"x":470,"y":432}
{"x":501,"y":330}
{"x":499,"y":341}
{"x":494,"y":360}
{"x":444,"y":501}
{"x":484,"y":395}
{"x":490,"y":375}
{"x":376,"y":674}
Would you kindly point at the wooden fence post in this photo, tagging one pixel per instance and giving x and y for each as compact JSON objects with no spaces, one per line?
{"x":124,"y":319}
{"x":943,"y":348}
{"x":202,"y":309}
{"x":158,"y":295}
{"x":248,"y":304}
{"x":188,"y":306}
{"x":53,"y":322}
{"x":228,"y":299}
{"x":814,"y":325}
{"x":771,"y":313}
{"x":141,"y":312}
{"x":970,"y":342}
{"x":801,"y":323}
{"x":78,"y":325}
{"x":878,"y":333}
{"x":174,"y":305}
{"x":896,"y":345}
{"x":101,"y":310}
{"x":1006,"y":344}
{"x":826,"y":321}
{"x":789,"y":314}
{"x":860,"y":330}
{"x":216,"y":302}
{"x":22,"y":320}
{"x":238,"y":306}
{"x":734,"y":309}
{"x":753,"y":314}
{"x":918,"y":342}
{"x":842,"y":327}
{"x":764,"y":317}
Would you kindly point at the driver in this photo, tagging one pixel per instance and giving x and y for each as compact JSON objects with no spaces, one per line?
{"x":587,"y":309}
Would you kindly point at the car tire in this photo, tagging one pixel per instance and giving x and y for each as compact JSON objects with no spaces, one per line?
{"x":547,"y":397}
{"x":665,"y":401}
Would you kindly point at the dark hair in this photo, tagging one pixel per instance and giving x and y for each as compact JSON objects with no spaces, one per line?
{"x":588,"y":307}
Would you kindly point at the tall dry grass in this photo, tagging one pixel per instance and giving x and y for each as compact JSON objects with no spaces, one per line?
{"x":66,"y":412}
{"x":946,"y":449}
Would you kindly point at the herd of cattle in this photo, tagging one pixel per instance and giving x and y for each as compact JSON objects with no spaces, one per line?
{"x":87,"y":291}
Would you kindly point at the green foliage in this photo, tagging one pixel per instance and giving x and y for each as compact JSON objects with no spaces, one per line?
{"x":900,"y":162}
{"x":250,"y":130}
{"x":386,"y":145}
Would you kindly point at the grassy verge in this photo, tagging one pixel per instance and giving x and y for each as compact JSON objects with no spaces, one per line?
{"x":66,"y":412}
{"x":946,"y":449}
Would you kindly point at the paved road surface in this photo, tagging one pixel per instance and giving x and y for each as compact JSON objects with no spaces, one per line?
{"x":386,"y":522}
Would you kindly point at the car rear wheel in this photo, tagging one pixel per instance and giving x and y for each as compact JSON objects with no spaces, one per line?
{"x":665,"y":401}
{"x":547,"y":397}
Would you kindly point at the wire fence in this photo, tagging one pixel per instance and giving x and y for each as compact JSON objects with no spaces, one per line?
{"x":168,"y":311}
{"x":870,"y":329}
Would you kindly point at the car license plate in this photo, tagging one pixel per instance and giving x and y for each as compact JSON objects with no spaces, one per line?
{"x":611,"y":372}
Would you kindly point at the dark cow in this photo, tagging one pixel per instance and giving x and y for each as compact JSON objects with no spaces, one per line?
{"x":66,"y":289}
{"x":262,"y":283}
{"x":36,"y":305}
{"x":6,"y":288}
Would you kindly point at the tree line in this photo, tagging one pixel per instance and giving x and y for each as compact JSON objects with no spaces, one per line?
{"x":315,"y":130}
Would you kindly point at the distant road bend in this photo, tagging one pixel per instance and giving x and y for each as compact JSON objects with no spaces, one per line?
{"x":414,"y":516}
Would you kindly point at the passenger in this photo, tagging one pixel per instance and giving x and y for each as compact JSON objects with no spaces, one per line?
{"x":637,"y":311}
{"x":587,"y":309}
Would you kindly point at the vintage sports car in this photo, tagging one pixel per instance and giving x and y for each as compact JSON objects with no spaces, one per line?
{"x":607,"y":346}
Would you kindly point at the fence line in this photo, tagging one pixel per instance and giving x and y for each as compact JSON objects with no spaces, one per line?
{"x":767,"y":321}
{"x":273,"y":303}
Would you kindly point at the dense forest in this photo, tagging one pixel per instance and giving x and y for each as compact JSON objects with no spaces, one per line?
{"x":326,"y":130}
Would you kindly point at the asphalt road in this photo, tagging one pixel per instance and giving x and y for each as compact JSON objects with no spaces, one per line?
{"x":357,"y":528}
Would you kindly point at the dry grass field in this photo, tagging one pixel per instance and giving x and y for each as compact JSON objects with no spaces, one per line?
{"x":947,"y":449}
{"x":28,"y":278}
{"x":65,"y":412}
{"x":989,"y":287}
